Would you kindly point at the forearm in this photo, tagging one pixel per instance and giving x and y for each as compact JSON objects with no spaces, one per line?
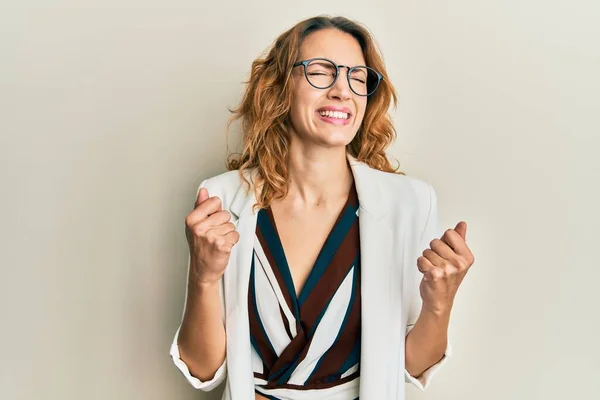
{"x":427,"y":341}
{"x":202,"y":340}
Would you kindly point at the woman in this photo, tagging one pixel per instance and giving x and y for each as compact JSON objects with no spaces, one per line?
{"x":312,"y":259}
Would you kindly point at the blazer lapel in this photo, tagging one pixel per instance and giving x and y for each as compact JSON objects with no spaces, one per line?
{"x":236,"y":278}
{"x":376,"y":282}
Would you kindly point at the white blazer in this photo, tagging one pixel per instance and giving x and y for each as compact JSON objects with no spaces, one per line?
{"x":398,"y":219}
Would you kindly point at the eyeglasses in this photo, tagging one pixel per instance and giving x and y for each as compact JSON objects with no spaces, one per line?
{"x":322,"y":73}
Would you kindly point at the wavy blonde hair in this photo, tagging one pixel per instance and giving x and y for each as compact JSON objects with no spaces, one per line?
{"x":266,"y":103}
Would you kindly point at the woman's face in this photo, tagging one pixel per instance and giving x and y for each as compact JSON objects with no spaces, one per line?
{"x":309,"y":119}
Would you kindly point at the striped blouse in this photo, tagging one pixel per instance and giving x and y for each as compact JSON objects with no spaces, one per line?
{"x":307,"y":346}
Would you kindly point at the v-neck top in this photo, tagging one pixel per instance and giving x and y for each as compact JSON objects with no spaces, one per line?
{"x":307,"y":345}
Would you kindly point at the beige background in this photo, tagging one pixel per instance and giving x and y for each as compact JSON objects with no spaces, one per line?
{"x":112,"y":112}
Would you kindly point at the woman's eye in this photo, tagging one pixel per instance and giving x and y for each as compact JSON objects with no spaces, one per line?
{"x":360,"y":80}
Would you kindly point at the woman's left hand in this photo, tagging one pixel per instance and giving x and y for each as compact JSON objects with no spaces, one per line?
{"x":444,"y":266}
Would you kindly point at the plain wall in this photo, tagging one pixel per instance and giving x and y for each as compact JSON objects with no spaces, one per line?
{"x":112,"y":112}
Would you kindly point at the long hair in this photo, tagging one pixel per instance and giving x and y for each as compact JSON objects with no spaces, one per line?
{"x":266,"y":103}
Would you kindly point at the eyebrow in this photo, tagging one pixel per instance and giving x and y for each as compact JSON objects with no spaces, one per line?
{"x":342,"y":64}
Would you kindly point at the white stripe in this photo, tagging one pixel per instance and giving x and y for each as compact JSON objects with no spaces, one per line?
{"x":257,"y":364}
{"x":350,"y":371}
{"x":345,"y":391}
{"x":268,"y":311}
{"x":264,"y":262}
{"x":258,"y":381}
{"x":326,"y":332}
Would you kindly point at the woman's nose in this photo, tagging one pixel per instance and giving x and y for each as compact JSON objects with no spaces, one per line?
{"x":341,"y":88}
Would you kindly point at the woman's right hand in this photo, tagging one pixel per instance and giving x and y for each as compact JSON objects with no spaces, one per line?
{"x":210,"y":238}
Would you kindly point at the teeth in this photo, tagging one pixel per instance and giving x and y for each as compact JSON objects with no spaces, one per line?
{"x":334,"y":114}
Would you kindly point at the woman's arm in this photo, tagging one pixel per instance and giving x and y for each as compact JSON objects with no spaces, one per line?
{"x":427,"y":341}
{"x":202,"y":340}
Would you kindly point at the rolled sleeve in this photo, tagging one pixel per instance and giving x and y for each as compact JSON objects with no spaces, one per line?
{"x":195,"y":382}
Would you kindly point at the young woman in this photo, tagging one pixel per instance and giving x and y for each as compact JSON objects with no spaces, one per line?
{"x":316,"y":270}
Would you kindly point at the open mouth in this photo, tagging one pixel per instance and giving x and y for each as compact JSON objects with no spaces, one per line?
{"x":335,"y":115}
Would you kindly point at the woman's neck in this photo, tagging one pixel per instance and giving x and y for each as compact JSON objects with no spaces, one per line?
{"x":316,"y":178}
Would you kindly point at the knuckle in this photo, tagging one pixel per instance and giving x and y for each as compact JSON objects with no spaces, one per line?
{"x":211,"y":237}
{"x":437,"y":274}
{"x":198,"y":230}
{"x":450,"y":270}
{"x":219,"y":242}
{"x":463,"y":264}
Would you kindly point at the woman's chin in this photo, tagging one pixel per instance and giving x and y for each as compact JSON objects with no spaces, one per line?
{"x":331,"y":138}
{"x":341,"y":139}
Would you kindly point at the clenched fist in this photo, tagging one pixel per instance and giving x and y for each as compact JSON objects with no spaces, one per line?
{"x":210,"y":237}
{"x":444,"y":266}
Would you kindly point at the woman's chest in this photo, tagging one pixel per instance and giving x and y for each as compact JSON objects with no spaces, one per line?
{"x":306,"y":235}
{"x":302,"y":239}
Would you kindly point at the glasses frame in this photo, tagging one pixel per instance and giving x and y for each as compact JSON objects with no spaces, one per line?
{"x":305,"y":63}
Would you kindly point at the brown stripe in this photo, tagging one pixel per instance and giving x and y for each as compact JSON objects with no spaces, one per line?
{"x":260,"y":376}
{"x":285,"y":323}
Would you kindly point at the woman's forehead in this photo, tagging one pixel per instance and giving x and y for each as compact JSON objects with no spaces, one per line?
{"x":339,"y":47}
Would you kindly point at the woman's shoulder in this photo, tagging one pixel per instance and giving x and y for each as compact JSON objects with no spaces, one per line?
{"x":406,"y":185}
{"x":223,"y":181}
{"x":225,"y":185}
{"x":406,"y":197}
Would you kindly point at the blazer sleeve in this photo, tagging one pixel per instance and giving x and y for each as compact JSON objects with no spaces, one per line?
{"x":431,"y":231}
{"x":221,"y":373}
